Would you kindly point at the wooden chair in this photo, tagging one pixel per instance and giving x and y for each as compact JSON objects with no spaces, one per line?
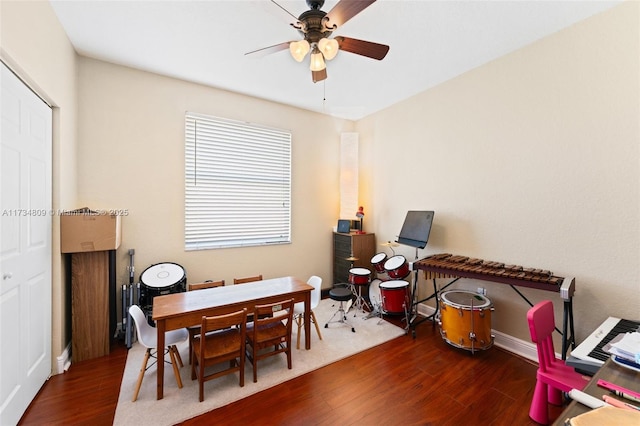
{"x":223,"y":339}
{"x":270,"y":328}
{"x":553,"y":376}
{"x":193,"y":330}
{"x":147,"y":336}
{"x":205,"y":284}
{"x":247,"y":279}
{"x":298,"y":308}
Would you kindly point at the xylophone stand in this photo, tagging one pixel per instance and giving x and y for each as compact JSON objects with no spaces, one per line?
{"x":413,"y":323}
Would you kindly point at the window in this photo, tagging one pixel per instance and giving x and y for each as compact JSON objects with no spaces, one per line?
{"x":237,"y":184}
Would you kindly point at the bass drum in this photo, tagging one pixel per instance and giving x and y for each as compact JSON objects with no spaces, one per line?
{"x":375,"y":297}
{"x":158,"y":280}
{"x":465,"y":320}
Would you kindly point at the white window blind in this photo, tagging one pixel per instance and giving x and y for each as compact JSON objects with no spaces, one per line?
{"x":237,"y":183}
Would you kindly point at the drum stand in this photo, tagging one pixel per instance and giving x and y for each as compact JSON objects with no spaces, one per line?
{"x":376,"y":311}
{"x":129,"y":296}
{"x":360,"y":302}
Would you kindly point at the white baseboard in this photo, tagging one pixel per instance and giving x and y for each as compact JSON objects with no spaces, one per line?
{"x":509,"y":343}
{"x":64,"y":360}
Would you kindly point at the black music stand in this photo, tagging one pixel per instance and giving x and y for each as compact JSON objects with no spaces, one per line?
{"x":416,"y":229}
{"x":415,"y":233}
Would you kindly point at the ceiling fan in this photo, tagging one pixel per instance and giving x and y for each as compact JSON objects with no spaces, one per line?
{"x":316,"y":27}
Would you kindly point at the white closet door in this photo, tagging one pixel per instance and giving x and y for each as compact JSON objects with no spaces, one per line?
{"x":25,"y":248}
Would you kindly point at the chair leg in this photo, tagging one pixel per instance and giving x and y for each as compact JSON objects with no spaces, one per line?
{"x":174,"y":363}
{"x":201,"y":381}
{"x":539,"y":410}
{"x":178,"y":357}
{"x":554,"y":396}
{"x":141,"y":374}
{"x":254,"y":362}
{"x":313,"y":319}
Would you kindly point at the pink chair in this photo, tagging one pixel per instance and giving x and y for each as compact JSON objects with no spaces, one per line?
{"x":553,"y":376}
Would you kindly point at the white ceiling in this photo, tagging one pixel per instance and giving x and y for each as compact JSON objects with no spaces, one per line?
{"x":205,"y":42}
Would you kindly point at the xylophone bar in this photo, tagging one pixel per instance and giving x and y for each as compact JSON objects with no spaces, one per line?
{"x":449,"y":266}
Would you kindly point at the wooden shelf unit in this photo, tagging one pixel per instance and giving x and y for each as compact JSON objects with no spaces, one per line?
{"x":361,"y":246}
{"x":92,"y":304}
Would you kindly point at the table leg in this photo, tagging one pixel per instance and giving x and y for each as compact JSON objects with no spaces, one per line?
{"x":307,"y":321}
{"x":160,"y":327}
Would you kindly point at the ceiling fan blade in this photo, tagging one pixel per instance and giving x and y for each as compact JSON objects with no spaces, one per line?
{"x":362,"y":47}
{"x":271,"y":49}
{"x":345,"y":10}
{"x":317,"y":76}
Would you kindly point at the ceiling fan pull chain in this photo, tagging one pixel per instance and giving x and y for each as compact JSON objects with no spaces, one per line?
{"x":324,"y":96}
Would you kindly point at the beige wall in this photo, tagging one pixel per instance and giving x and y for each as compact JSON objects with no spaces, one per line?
{"x":131,"y":150}
{"x":34,"y":46}
{"x":532,"y":159}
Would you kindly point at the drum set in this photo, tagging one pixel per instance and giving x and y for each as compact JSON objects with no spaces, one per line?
{"x":464,"y":317}
{"x":389,"y":293}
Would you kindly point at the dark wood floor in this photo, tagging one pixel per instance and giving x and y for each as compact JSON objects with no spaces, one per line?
{"x":421,"y":381}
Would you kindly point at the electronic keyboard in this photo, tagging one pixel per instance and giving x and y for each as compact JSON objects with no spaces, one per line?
{"x":589,"y":356}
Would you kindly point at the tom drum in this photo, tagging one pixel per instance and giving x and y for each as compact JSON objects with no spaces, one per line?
{"x":395,"y":296}
{"x":465,"y":320}
{"x":397,"y":267}
{"x":378,"y":262}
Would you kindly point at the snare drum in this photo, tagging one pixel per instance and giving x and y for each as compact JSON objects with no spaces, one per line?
{"x":395,"y":296}
{"x":378,"y":262}
{"x":465,"y":320}
{"x":397,"y":267}
{"x":160,"y":279}
{"x":359,"y":276}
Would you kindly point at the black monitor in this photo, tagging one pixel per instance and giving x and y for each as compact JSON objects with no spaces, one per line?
{"x":416,"y":228}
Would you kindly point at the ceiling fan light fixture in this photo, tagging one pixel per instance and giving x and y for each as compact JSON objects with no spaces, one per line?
{"x":299,"y":49}
{"x":317,"y":61}
{"x":329,"y":48}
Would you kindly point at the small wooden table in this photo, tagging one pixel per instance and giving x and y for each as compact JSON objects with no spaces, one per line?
{"x":178,"y":310}
{"x":611,"y":372}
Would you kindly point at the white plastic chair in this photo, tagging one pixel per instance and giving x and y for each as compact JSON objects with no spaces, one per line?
{"x":147,"y":336}
{"x":298,"y":308}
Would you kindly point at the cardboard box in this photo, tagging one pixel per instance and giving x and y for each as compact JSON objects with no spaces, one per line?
{"x":84,"y":230}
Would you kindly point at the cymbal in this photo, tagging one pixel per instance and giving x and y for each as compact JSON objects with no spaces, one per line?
{"x":351,"y":259}
{"x":389,"y":244}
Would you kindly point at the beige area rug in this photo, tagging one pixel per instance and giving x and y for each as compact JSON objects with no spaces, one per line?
{"x":181,"y":404}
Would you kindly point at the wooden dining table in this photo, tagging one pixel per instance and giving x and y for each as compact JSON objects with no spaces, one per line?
{"x":179,"y":310}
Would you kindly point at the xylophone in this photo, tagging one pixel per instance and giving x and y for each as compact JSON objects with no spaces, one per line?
{"x":446,"y":265}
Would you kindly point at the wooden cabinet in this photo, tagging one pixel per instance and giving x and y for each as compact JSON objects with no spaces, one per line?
{"x":361,"y":246}
{"x":90,"y":305}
